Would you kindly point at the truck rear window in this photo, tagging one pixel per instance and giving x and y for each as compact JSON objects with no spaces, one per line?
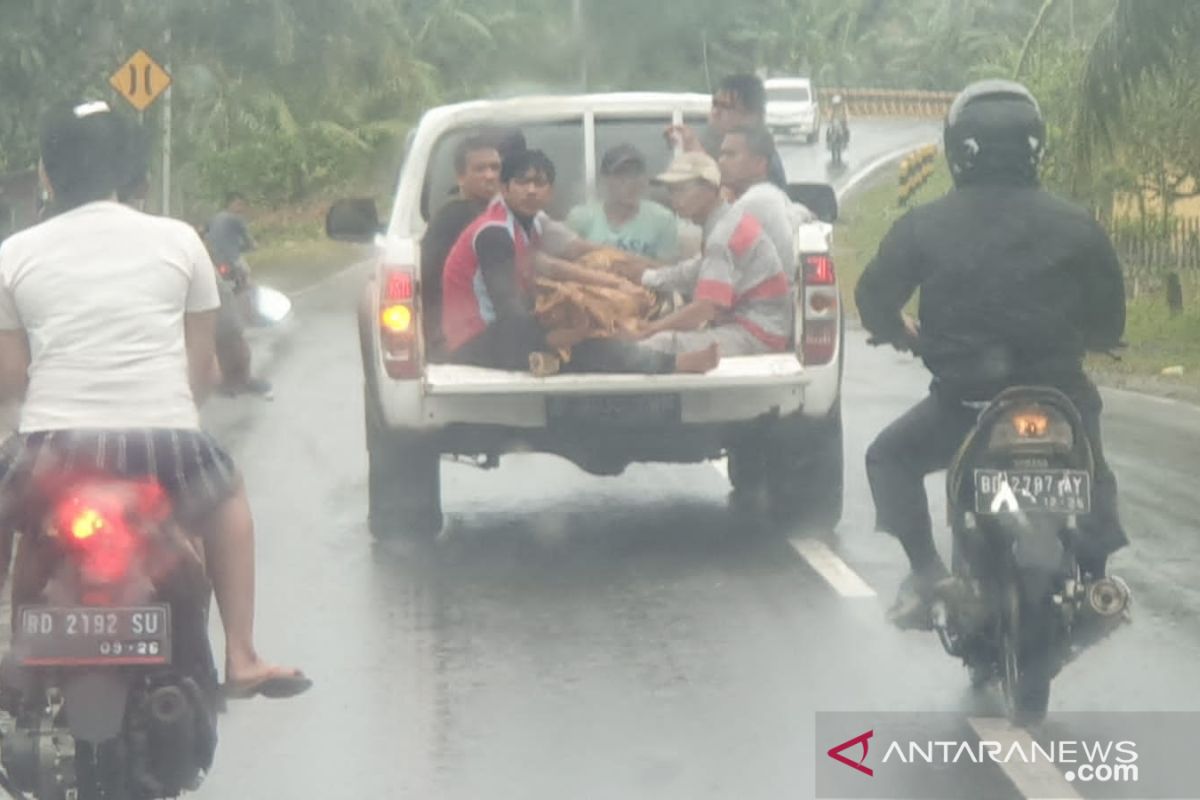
{"x":563,"y":142}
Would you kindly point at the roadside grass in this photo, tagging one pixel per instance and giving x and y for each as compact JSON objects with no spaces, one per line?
{"x":865,"y":219}
{"x":1157,"y":340}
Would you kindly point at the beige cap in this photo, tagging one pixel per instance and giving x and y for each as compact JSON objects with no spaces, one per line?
{"x":692,"y":166}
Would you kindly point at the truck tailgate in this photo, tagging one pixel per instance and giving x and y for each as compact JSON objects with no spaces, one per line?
{"x":734,"y":372}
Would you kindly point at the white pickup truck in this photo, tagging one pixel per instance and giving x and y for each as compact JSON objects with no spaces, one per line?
{"x":777,"y":417}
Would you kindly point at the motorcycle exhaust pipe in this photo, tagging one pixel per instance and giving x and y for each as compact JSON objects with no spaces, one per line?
{"x":1105,"y":607}
{"x":1108,"y":597}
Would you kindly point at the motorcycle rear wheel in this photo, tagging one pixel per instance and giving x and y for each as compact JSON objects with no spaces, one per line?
{"x":1026,"y":654}
{"x":102,"y":771}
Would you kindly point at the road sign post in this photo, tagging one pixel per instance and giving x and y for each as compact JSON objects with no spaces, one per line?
{"x":141,"y":81}
{"x":166,"y":154}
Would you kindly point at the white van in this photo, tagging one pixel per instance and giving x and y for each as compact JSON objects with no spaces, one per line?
{"x":792,"y":110}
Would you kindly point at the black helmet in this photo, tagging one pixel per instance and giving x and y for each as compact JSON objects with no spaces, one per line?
{"x":995,"y":131}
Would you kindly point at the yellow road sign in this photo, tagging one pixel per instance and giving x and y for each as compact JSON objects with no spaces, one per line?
{"x":140,"y":80}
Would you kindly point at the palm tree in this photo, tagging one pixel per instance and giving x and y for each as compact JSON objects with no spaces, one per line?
{"x":1138,"y":41}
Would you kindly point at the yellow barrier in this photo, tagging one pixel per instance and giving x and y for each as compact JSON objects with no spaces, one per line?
{"x":889,"y":102}
{"x":915,"y":171}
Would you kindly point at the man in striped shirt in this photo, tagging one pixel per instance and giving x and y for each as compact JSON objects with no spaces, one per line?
{"x":739,"y":294}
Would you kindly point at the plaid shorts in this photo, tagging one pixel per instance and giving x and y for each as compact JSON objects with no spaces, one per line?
{"x":195,"y":472}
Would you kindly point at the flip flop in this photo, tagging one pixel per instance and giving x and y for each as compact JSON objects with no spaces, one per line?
{"x":276,"y":687}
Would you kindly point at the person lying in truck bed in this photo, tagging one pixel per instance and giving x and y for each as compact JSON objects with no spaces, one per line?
{"x":489,"y":283}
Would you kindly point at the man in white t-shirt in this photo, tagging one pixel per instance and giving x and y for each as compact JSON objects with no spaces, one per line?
{"x":106,"y":334}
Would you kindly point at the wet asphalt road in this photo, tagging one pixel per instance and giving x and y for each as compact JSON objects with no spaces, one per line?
{"x":581,"y":637}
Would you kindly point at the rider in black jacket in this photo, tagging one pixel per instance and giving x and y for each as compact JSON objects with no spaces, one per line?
{"x":1016,"y":285}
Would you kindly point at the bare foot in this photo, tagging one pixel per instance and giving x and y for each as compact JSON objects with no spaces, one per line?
{"x":699,"y":361}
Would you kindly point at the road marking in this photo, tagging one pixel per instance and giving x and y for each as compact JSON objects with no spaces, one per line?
{"x":1037,"y":781}
{"x":826,"y":563}
{"x":830,"y":566}
{"x":871,"y":168}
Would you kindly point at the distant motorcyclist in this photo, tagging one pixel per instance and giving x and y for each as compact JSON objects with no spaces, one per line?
{"x":1016,"y":285}
{"x":839,"y":123}
{"x":228,"y":238}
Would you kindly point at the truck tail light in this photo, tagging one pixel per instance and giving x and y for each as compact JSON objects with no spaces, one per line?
{"x":818,"y":342}
{"x":398,"y":307}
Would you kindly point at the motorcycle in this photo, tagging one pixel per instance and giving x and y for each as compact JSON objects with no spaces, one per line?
{"x":259,"y":306}
{"x":1017,"y":607}
{"x":110,"y":687}
{"x":837,"y":136}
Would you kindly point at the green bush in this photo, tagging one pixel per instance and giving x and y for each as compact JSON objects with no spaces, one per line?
{"x":268,"y":170}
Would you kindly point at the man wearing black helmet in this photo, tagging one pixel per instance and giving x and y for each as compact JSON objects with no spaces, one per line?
{"x":1016,"y":285}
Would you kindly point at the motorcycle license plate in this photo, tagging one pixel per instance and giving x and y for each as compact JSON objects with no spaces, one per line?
{"x":94,"y":636}
{"x":1054,"y":491}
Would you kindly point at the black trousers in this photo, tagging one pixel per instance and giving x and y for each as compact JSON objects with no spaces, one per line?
{"x":507,"y":344}
{"x":614,"y":355}
{"x":925,"y":440}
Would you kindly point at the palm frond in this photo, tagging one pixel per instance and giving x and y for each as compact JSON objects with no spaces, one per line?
{"x":1138,"y":41}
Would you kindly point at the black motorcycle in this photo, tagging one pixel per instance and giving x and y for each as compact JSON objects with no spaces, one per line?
{"x":110,"y":688}
{"x":1018,"y":608}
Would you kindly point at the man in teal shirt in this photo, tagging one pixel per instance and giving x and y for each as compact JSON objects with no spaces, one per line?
{"x":625,"y":219}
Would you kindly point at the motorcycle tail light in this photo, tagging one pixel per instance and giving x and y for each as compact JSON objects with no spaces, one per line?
{"x":99,"y":524}
{"x":1031,"y":426}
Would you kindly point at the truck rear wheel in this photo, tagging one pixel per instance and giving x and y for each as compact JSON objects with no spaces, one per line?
{"x":795,"y":464}
{"x":805,"y":471}
{"x":404,"y":487}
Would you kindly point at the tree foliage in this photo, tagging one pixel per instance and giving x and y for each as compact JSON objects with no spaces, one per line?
{"x":284,"y":98}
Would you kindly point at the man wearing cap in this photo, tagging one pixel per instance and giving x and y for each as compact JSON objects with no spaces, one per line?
{"x":624,"y":219}
{"x":740,"y":298}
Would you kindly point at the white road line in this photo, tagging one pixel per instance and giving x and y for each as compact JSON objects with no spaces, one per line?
{"x":1036,"y":781}
{"x":826,"y":563}
{"x":871,"y":168}
{"x":832,"y":568}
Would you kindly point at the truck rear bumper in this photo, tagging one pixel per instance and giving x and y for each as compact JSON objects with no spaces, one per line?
{"x":741,"y":389}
